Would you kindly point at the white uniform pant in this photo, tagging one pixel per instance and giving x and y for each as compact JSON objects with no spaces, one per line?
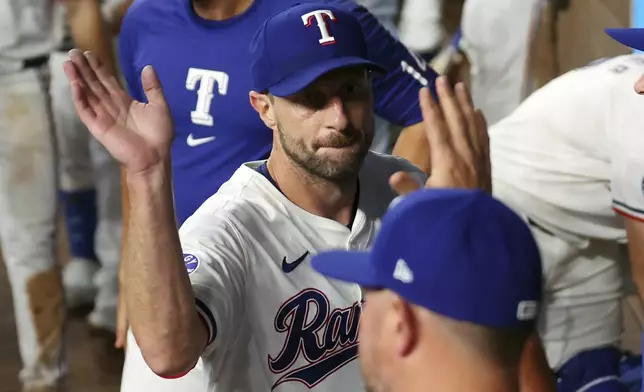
{"x":137,"y":376}
{"x":497,"y":36}
{"x":582,"y":297}
{"x":27,"y":222}
{"x":421,"y":27}
{"x":85,"y":164}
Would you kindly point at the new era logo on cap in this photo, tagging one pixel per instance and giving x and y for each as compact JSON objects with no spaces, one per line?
{"x":402,"y":272}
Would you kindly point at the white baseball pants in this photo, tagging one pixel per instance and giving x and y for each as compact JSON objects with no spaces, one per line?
{"x":27,"y":222}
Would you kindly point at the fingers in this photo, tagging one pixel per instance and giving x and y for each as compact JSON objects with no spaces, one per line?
{"x":471,"y":120}
{"x":89,"y":78}
{"x":79,"y":94}
{"x":152,"y":86}
{"x":105,"y":76}
{"x":434,"y":125}
{"x":403,"y":183}
{"x":455,"y":119}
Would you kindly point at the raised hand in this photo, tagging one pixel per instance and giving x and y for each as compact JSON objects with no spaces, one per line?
{"x":458,"y":142}
{"x":136,"y":134}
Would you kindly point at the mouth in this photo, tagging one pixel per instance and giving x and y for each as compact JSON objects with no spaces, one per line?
{"x":340,"y":141}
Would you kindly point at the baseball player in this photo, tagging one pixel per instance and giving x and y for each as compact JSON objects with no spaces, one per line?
{"x":633,"y":38}
{"x":453,"y":285}
{"x":568,"y":160}
{"x":29,"y":32}
{"x":207,"y":89}
{"x":243,"y":296}
{"x":93,"y":218}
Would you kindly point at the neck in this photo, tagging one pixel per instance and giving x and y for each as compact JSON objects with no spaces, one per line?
{"x":332,"y":200}
{"x":448,"y":374}
{"x":220,"y":9}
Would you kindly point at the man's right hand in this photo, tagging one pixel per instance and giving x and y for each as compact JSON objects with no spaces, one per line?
{"x":138,"y":135}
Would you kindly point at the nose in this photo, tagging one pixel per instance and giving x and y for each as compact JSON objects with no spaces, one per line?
{"x":336,"y":114}
{"x":639,"y":85}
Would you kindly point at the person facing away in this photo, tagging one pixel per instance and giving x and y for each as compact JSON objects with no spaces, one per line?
{"x":453,"y":285}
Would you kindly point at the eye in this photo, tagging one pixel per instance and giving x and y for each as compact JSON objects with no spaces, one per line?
{"x":354,"y":90}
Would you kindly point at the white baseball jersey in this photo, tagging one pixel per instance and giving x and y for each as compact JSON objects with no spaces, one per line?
{"x":574,"y":151}
{"x":275,"y":324}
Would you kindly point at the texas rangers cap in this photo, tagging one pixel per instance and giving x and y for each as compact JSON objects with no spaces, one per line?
{"x":296,"y":46}
{"x":630,"y":37}
{"x":459,"y":253}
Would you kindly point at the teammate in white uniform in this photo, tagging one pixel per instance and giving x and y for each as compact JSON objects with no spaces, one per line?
{"x":29,"y":32}
{"x":28,"y":186}
{"x":263,"y":319}
{"x":570,"y":160}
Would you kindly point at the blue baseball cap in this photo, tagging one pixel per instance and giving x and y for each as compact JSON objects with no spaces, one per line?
{"x":630,"y":37}
{"x":459,"y":253}
{"x":296,"y":46}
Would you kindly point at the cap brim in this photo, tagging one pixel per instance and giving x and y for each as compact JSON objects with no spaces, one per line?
{"x":633,"y":38}
{"x":353,"y":267}
{"x":300,"y":80}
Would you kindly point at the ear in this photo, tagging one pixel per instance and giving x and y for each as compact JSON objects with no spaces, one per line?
{"x":405,"y":327}
{"x":264,"y":107}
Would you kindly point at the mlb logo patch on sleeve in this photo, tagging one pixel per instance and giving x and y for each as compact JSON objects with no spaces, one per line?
{"x":191,"y":262}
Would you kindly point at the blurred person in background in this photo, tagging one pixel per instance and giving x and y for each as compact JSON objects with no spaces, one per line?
{"x":89,"y":183}
{"x":498,"y":37}
{"x":421,"y":27}
{"x":29,"y":32}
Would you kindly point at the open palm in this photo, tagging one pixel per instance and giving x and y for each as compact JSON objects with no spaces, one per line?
{"x":458,"y":142}
{"x":136,"y":134}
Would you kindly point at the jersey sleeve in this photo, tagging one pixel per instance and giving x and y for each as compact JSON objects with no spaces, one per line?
{"x":127,"y":43}
{"x":626,"y":151}
{"x":396,"y":91}
{"x":215,"y":259}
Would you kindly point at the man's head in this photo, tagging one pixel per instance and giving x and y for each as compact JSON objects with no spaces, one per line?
{"x":312,"y":87}
{"x":453,"y":276}
{"x":633,"y":38}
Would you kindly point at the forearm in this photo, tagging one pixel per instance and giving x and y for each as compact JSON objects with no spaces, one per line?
{"x":126,"y":207}
{"x":89,"y":31}
{"x":412,"y":145}
{"x":115,"y":15}
{"x":159,"y":298}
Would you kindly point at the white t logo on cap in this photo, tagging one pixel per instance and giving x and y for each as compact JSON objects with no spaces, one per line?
{"x":320,"y":18}
{"x":402,"y":272}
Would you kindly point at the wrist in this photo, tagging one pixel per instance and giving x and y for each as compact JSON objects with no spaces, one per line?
{"x":155,"y":176}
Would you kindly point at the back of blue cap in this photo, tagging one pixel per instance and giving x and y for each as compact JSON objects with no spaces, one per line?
{"x":461,"y":254}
